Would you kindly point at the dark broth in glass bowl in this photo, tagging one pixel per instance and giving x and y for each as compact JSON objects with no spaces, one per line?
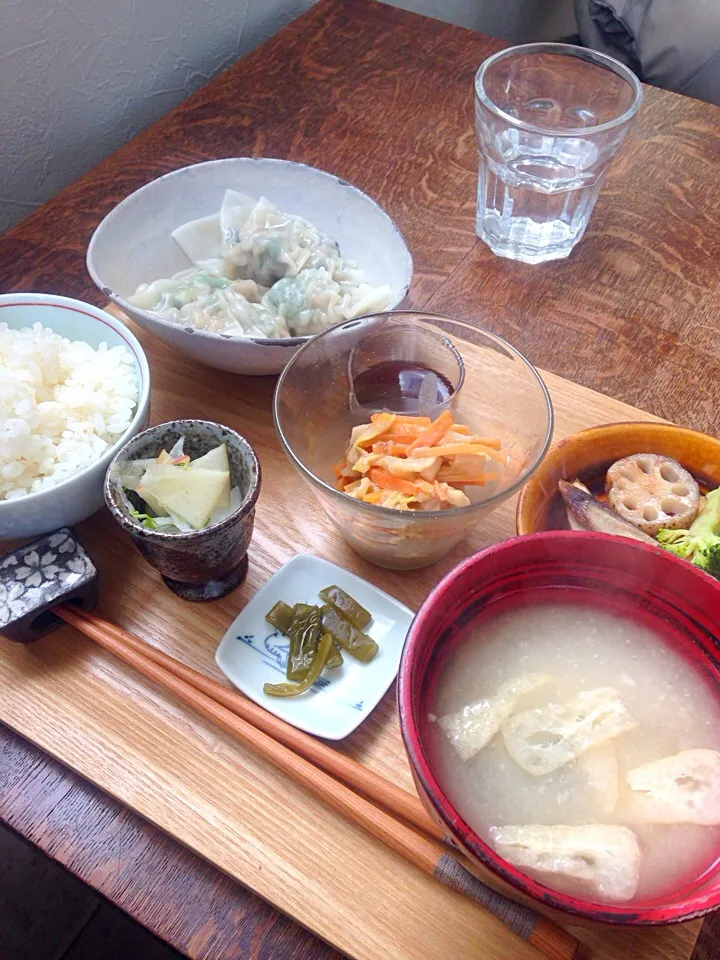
{"x":397,"y":386}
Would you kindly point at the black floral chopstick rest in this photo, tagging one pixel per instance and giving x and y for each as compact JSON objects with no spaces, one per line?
{"x":37,"y":577}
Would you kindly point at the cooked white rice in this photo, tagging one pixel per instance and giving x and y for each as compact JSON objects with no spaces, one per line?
{"x":62,"y":404}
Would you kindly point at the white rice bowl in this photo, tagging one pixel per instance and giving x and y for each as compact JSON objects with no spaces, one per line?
{"x":74,"y":386}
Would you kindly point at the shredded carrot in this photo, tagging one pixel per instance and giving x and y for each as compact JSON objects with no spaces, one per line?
{"x":390,"y":448}
{"x":456,"y":450}
{"x":446,"y":450}
{"x":434,"y":433}
{"x":425,"y":487}
{"x":452,"y":437}
{"x":410,"y":430}
{"x":375,"y":431}
{"x":387,"y":481}
{"x":401,"y":418}
{"x":464,"y":481}
{"x":458,"y":480}
{"x":407,"y":462}
{"x":399,"y":436}
{"x":492,"y":452}
{"x":493,"y":442}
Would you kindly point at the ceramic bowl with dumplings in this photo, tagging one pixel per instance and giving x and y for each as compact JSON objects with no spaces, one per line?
{"x":587,"y":455}
{"x":133,"y":245}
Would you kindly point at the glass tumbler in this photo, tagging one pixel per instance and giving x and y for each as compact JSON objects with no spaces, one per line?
{"x":549,"y":119}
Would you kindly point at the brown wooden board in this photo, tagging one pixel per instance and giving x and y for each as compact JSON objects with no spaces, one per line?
{"x":145,"y":749}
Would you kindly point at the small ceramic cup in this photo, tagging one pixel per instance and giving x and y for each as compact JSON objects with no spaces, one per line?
{"x":203,"y":564}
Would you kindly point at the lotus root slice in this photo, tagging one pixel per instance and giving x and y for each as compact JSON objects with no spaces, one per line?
{"x":653,"y":492}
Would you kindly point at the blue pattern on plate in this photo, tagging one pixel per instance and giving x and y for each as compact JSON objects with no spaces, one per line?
{"x":274,"y":654}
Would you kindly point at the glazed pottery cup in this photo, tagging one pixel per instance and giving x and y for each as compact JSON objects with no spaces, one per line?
{"x":202,"y":564}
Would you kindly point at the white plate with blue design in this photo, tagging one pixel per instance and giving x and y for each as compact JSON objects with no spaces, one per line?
{"x":253,"y":653}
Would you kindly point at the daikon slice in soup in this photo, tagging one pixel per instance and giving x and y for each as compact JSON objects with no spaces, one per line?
{"x":582,"y":748}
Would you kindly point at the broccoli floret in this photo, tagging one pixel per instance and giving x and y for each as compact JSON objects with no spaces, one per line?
{"x":708,"y":520}
{"x":703,"y":551}
{"x":701,"y":543}
{"x":678,"y":542}
{"x":708,"y":558}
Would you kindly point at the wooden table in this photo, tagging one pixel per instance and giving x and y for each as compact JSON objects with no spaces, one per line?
{"x":384,"y":99}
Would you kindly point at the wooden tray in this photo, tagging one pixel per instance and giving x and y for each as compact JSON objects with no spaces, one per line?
{"x":142,"y":747}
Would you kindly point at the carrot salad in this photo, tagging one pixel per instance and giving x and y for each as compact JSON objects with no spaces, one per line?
{"x":415,"y":463}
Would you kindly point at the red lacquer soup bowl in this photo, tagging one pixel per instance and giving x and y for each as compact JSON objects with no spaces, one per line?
{"x":668,"y":595}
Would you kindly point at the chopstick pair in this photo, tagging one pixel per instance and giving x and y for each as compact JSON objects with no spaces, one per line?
{"x":329,"y":775}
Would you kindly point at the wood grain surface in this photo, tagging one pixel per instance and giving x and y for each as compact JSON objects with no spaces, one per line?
{"x":384,"y":99}
{"x":213,"y":794}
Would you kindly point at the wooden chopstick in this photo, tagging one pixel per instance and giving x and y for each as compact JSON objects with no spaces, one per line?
{"x":426,"y":853}
{"x":354,"y":774}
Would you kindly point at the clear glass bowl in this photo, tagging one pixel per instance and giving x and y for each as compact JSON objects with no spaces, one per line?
{"x":326,"y":390}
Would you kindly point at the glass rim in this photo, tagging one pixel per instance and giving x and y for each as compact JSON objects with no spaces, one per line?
{"x":566,"y":50}
{"x":423,"y":516}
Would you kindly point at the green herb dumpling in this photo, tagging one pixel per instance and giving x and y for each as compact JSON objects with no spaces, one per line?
{"x":264,"y":244}
{"x":216,"y":304}
{"x":259,"y":272}
{"x":314,"y":300}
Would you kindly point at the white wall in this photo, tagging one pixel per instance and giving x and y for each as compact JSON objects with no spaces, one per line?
{"x":78,"y":78}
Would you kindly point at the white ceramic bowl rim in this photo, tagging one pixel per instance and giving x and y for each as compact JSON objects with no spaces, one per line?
{"x":421,"y":515}
{"x":133,"y":345}
{"x":206,"y":334}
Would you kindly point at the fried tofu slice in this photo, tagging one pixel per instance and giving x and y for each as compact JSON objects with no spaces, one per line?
{"x":683,"y":788}
{"x":473,"y":727}
{"x":547,"y":738}
{"x":596,"y":860}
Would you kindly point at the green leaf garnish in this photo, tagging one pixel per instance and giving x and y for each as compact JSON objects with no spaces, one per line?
{"x":145,"y":519}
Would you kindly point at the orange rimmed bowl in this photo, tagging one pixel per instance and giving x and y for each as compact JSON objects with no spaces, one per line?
{"x":588,"y":454}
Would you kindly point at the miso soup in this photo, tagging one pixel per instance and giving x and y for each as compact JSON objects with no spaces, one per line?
{"x":583,"y":748}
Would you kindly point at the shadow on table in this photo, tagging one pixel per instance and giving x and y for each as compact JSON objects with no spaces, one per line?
{"x":47,"y":914}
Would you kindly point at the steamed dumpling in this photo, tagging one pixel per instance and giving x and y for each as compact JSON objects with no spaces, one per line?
{"x":265,"y":244}
{"x":259,"y":272}
{"x":313,"y":300}
{"x":216,"y":304}
{"x":201,"y":240}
